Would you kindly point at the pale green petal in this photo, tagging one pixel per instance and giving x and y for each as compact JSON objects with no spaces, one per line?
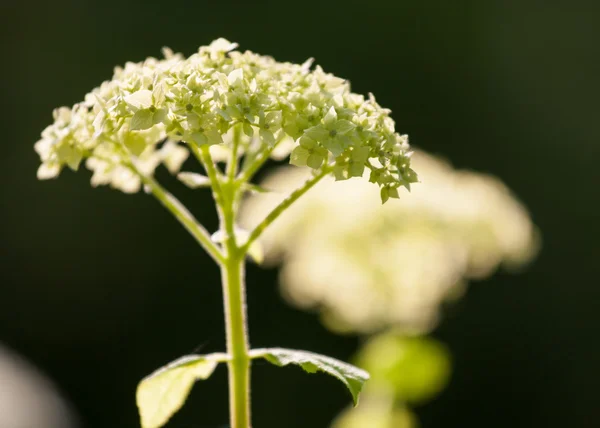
{"x":343,"y":126}
{"x":330,"y":118}
{"x":199,"y":138}
{"x":315,"y":160}
{"x":222,"y":45}
{"x":273,"y":118}
{"x":317,"y":133}
{"x":158,"y":93}
{"x":267,"y":137}
{"x":74,"y":160}
{"x":135,"y":143}
{"x":236,"y":77}
{"x":334,"y":146}
{"x":98,"y":123}
{"x":193,"y":180}
{"x":214,"y":137}
{"x":248,"y":130}
{"x":48,"y":170}
{"x":360,"y":154}
{"x":142,"y":119}
{"x":356,"y":169}
{"x":307,"y":142}
{"x":385,"y":194}
{"x":299,"y":156}
{"x":159,"y":116}
{"x":140,"y":99}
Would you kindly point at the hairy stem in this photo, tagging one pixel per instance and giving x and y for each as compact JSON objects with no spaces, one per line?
{"x":182,"y":214}
{"x":272,"y":216}
{"x":204,"y":157}
{"x":234,"y":296}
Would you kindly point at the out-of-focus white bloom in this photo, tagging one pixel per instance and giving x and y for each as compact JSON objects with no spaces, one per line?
{"x":281,"y":109}
{"x":367,"y":266}
{"x":28,"y":398}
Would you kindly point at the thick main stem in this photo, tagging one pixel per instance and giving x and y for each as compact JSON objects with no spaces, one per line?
{"x":234,"y":298}
{"x":234,"y":295}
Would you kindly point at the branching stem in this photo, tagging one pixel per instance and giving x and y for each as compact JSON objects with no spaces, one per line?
{"x":283,"y":205}
{"x":182,"y":214}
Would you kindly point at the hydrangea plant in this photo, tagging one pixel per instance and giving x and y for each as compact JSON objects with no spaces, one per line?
{"x":232,"y":111}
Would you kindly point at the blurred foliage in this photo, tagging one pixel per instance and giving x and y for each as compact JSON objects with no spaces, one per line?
{"x":414,"y":369}
{"x":404,"y":370}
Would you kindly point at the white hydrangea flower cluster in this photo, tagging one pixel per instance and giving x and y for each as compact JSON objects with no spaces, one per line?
{"x":367,"y":267}
{"x":151,"y":110}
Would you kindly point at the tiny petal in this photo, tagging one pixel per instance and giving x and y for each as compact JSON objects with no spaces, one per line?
{"x":47,"y":171}
{"x":140,"y":99}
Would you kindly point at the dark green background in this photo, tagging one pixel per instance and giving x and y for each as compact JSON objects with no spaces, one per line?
{"x":99,"y":288}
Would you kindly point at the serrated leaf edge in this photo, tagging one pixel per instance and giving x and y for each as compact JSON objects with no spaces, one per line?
{"x":331,"y":366}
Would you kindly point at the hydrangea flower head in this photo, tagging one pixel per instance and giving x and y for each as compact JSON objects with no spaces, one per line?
{"x":150,"y":112}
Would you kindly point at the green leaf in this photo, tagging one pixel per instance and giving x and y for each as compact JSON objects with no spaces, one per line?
{"x":353,"y":377}
{"x":193,"y":180}
{"x":162,"y":393}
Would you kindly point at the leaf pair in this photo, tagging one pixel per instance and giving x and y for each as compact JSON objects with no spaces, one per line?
{"x":163,"y":393}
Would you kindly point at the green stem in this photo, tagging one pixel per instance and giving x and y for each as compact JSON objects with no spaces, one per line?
{"x":256,"y":163}
{"x":232,"y":165}
{"x":182,"y":214}
{"x":234,"y":296}
{"x":272,"y":216}
{"x":204,"y":157}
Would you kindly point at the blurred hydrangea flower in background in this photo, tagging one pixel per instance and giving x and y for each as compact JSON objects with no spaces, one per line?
{"x":386,"y":270}
{"x":368,"y":266}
